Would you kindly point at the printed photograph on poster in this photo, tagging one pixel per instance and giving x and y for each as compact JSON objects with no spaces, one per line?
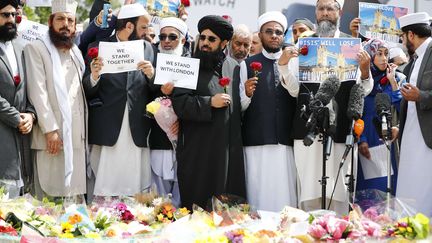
{"x":182,"y":71}
{"x":123,"y":56}
{"x":29,"y":31}
{"x":161,"y":8}
{"x":328,"y":56}
{"x":380,"y":21}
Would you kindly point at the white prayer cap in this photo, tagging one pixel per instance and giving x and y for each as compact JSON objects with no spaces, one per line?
{"x":63,"y":6}
{"x":272,"y":16}
{"x":340,"y":2}
{"x":395,"y":52}
{"x":414,"y":18}
{"x":174,"y":22}
{"x":131,"y":11}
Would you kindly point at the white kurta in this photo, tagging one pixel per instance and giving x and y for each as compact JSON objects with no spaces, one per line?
{"x":270,"y":177}
{"x":123,"y":169}
{"x":414,"y":184}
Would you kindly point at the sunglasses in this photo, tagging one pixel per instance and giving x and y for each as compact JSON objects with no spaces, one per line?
{"x":171,"y":37}
{"x":8,"y":14}
{"x":209,"y":38}
{"x":272,"y":32}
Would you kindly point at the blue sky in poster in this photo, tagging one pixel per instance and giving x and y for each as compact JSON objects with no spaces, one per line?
{"x":333,"y":46}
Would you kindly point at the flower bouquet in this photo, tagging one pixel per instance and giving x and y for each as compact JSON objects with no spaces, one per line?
{"x":162,"y":111}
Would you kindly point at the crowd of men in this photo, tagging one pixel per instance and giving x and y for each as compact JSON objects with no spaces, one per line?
{"x":67,"y":129}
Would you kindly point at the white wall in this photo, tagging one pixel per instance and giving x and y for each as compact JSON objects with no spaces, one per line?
{"x":241,"y":11}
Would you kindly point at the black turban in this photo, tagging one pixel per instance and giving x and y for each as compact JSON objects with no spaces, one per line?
{"x":4,"y":3}
{"x":218,"y":25}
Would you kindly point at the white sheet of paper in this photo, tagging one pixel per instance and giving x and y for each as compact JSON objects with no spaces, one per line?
{"x":29,"y":31}
{"x":182,"y":71}
{"x":123,"y":56}
{"x":39,"y":3}
{"x":377,"y":166}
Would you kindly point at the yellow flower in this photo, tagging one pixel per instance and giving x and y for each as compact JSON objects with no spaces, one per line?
{"x":184,"y":211}
{"x":153,"y":107}
{"x":93,"y":235}
{"x":66,"y":227}
{"x":66,"y":235}
{"x":111,"y":233}
{"x":73,"y":219}
{"x":409,"y":229}
{"x":160,"y":217}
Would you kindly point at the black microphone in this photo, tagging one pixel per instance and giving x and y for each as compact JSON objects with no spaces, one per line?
{"x":354,"y":112}
{"x":327,"y":90}
{"x":382,"y":107}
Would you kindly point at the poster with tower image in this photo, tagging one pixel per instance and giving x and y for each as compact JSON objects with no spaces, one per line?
{"x":380,"y":21}
{"x":328,"y":56}
{"x":161,"y":8}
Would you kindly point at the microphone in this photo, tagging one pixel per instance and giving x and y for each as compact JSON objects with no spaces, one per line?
{"x":324,"y":95}
{"x":358,"y":128}
{"x":354,"y":112}
{"x":382,"y":107}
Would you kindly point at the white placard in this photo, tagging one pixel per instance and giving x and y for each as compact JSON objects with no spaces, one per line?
{"x":182,"y":71}
{"x":122,"y":56}
{"x":29,"y":31}
{"x":39,"y":3}
{"x":377,"y":166}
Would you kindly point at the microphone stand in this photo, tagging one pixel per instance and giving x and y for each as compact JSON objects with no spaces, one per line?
{"x":327,"y":142}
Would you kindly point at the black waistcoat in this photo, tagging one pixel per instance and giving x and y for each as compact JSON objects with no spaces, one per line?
{"x":268,"y":119}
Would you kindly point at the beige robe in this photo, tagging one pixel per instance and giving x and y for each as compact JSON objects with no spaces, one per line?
{"x":49,"y":169}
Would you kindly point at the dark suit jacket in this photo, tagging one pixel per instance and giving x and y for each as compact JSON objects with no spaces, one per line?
{"x":424,"y":106}
{"x":113,"y":92}
{"x":15,"y":146}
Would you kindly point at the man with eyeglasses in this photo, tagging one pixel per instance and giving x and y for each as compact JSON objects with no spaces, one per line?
{"x":204,"y":136}
{"x":414,"y":182}
{"x":309,"y":159}
{"x":118,"y":127}
{"x":55,"y":67}
{"x":162,"y":157}
{"x":17,"y":115}
{"x":267,"y":120}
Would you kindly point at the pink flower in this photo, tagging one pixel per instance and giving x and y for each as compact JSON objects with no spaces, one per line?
{"x":317,"y":231}
{"x":373,"y":229}
{"x":336,"y":227}
{"x":354,"y":234}
{"x":371,"y":213}
{"x":120,"y":207}
{"x":166,"y":102}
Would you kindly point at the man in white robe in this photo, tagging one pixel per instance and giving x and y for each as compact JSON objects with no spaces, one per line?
{"x":309,"y":159}
{"x":268,"y":109}
{"x":414,"y":183}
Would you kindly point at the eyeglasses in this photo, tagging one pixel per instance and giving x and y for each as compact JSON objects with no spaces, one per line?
{"x":209,"y":38}
{"x":171,"y":37}
{"x":272,"y":32}
{"x":8,"y":14}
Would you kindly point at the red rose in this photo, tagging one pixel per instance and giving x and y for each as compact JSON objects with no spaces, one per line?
{"x":127,"y":216}
{"x":185,"y":3}
{"x":18,"y":19}
{"x":384,"y":81}
{"x":224,"y":82}
{"x":17,"y":80}
{"x":256,"y":66}
{"x":93,"y":52}
{"x":304,"y":50}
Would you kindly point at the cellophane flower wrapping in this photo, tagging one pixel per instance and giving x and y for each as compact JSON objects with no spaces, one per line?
{"x":163,"y":112}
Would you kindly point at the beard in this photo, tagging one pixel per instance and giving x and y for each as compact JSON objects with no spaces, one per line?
{"x":209,"y":60}
{"x":270,"y":49}
{"x":134,"y":36}
{"x":60,"y":40}
{"x":410,"y":47}
{"x":8,"y":32}
{"x":327,"y":28}
{"x":178,"y":51}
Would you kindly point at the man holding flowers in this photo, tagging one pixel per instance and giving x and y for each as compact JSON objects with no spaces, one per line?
{"x":268,"y":110}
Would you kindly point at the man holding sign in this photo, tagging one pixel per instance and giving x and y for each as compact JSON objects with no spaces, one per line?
{"x":203,"y":143}
{"x":118,"y":127}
